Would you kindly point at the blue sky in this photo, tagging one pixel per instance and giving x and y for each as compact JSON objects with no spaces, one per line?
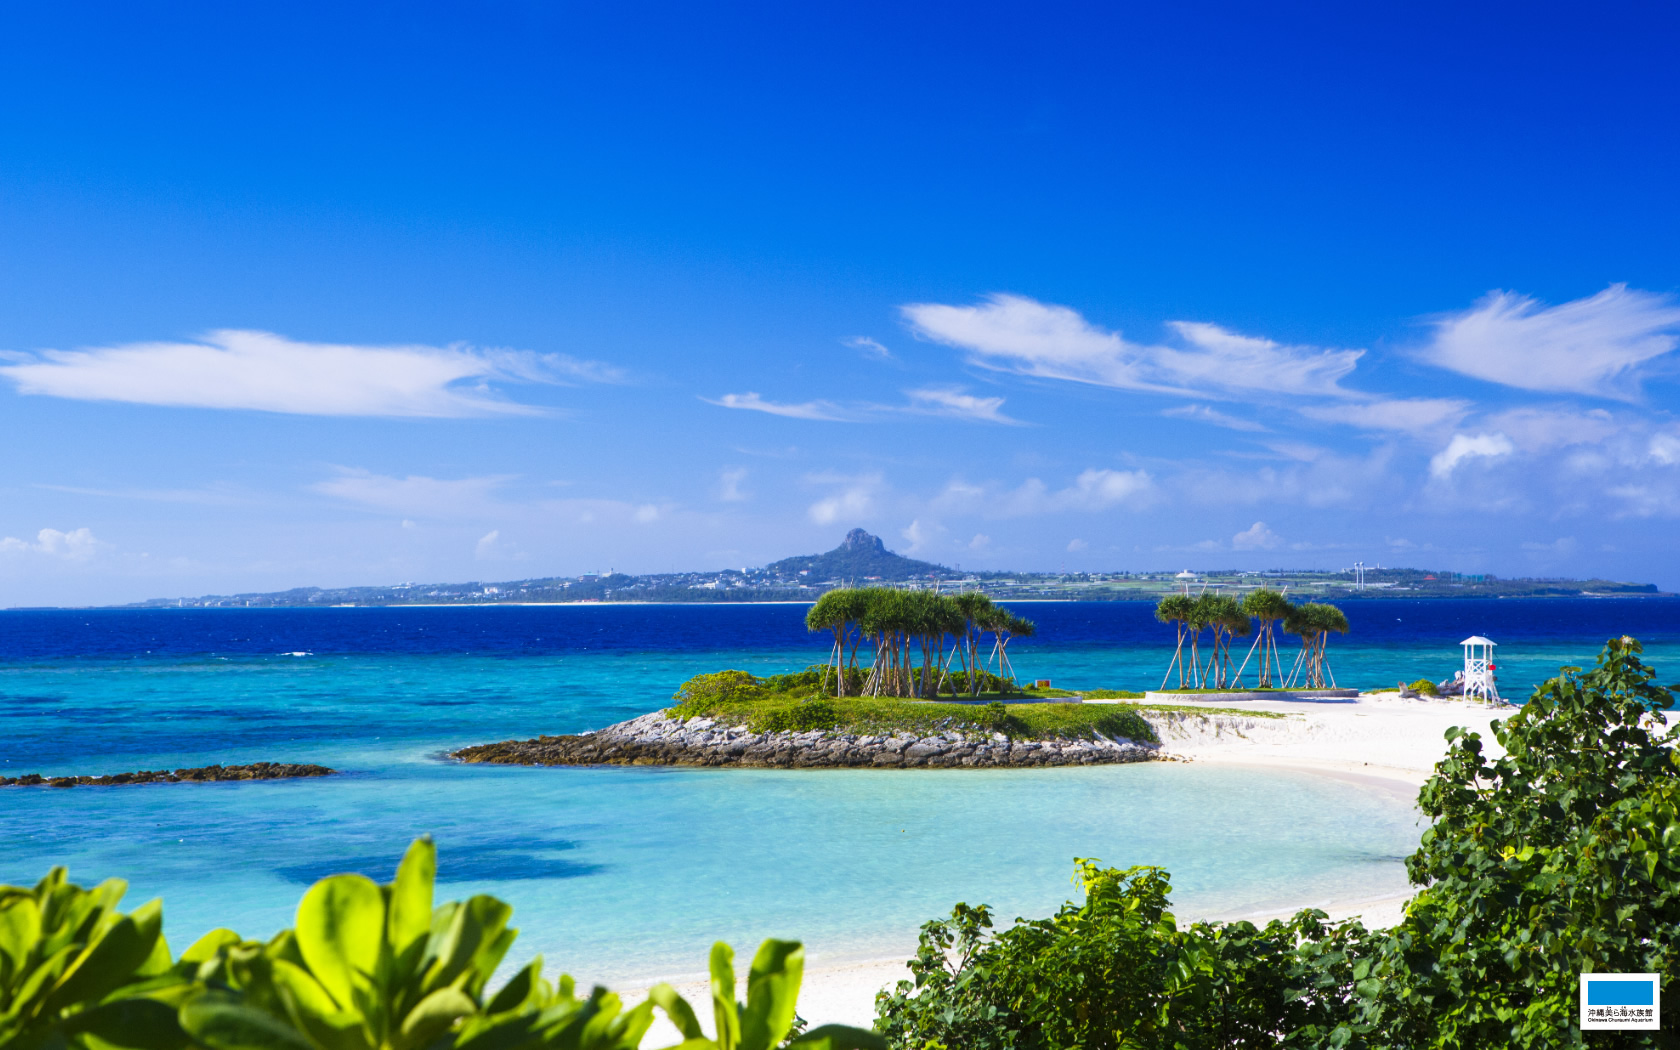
{"x":348,"y":294}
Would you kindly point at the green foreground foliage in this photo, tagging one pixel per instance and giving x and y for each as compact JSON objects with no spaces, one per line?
{"x":367,"y":967}
{"x":783,"y":703}
{"x":1560,"y":858}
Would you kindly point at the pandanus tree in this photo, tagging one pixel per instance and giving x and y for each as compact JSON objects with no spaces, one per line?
{"x":1224,"y":615}
{"x":832,"y":613}
{"x":1176,"y":609}
{"x":1268,"y":608}
{"x":1313,"y":622}
{"x":972,"y":607}
{"x":895,"y":624}
{"x":1331,"y":620}
{"x":1004,"y":626}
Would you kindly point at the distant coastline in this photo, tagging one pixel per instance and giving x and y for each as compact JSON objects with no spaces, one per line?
{"x":862,"y":559}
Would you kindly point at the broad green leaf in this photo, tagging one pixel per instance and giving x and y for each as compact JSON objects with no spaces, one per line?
{"x":772,"y":992}
{"x":520,"y":989}
{"x":677,"y":1009}
{"x":208,"y":945}
{"x":340,"y":926}
{"x":224,"y":1023}
{"x":20,"y":928}
{"x":410,"y":911}
{"x":491,"y":917}
{"x":110,"y":961}
{"x":433,"y":1015}
{"x":725,"y":1012}
{"x":627,"y":1029}
{"x":132,"y":1024}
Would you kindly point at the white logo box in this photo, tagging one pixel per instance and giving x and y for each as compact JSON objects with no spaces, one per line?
{"x":1621,"y":1001}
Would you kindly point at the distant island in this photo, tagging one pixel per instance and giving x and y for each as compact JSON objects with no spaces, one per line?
{"x":862,"y":558}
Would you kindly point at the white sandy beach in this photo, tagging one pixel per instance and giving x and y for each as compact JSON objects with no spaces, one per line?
{"x":1379,"y":739}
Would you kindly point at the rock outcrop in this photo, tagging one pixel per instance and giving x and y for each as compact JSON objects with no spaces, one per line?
{"x":198,"y":774}
{"x":657,"y":740}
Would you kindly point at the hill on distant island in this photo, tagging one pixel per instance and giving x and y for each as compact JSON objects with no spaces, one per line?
{"x":859,"y":557}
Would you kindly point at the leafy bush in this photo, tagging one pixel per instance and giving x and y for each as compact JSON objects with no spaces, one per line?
{"x":1562,"y":857}
{"x":1116,"y":971}
{"x":721,"y":687}
{"x":1425,"y":686}
{"x":802,"y":717}
{"x":368,"y":967}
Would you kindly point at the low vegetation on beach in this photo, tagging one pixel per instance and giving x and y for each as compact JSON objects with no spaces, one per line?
{"x":798,"y":703}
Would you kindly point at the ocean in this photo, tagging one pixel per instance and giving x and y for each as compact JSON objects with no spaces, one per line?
{"x":627,"y":874}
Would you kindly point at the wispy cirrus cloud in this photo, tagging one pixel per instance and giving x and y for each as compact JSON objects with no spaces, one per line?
{"x":1404,"y":414}
{"x":486,"y":497}
{"x":415,"y":495}
{"x":1014,"y":333}
{"x":1596,"y":346}
{"x":1213,"y":417}
{"x":951,"y":402}
{"x":958,"y":404}
{"x":869,"y":347}
{"x":825,"y":411}
{"x":260,"y":371}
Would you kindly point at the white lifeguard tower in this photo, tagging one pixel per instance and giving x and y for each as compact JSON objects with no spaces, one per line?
{"x":1478,"y":670}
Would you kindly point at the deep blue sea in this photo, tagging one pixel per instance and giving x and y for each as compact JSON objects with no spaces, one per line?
{"x":629,"y":873}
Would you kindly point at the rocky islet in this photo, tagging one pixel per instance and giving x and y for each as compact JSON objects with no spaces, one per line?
{"x":196,"y":774}
{"x":658,"y":739}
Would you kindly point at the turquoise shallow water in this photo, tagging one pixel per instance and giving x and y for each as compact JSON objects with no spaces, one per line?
{"x":620,"y":874}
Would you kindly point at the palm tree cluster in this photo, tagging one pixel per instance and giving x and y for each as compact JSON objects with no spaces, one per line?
{"x":1227,"y":618}
{"x":892,"y":626}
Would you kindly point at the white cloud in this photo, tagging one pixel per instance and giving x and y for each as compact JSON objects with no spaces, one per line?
{"x":729,"y":485}
{"x":1093,"y":490}
{"x":1407,"y":414}
{"x":869,"y":347}
{"x":1664,"y":449}
{"x":1017,"y":334}
{"x":819,"y":410}
{"x":646,"y":514}
{"x":260,"y":371}
{"x":980,"y":542}
{"x":486,"y":546}
{"x":1594,"y":346}
{"x":854,"y":500}
{"x":1256,"y":537}
{"x":953,"y":402}
{"x":1464,"y":447}
{"x":1076,"y":545}
{"x":415,"y":494}
{"x":1101,"y":489}
{"x":1543,"y":429}
{"x":75,"y":545}
{"x":920,"y":535}
{"x":1212,"y":416}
